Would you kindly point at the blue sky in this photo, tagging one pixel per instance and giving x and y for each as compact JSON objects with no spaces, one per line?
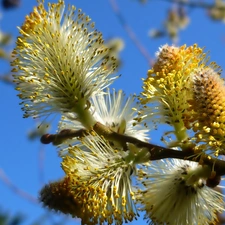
{"x":20,"y":158}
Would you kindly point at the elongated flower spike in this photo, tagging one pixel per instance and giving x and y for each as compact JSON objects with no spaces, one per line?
{"x":168,"y":88}
{"x":60,"y":62}
{"x":76,"y":199}
{"x":101,"y":177}
{"x":59,"y":197}
{"x":176,"y":193}
{"x":209,"y":105}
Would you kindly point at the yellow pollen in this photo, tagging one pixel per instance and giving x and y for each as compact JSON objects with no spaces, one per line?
{"x":31,"y":21}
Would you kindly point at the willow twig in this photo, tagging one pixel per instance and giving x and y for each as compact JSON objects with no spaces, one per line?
{"x":156,"y":152}
{"x":192,"y":4}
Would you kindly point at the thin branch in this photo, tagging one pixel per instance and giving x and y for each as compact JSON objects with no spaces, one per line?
{"x":65,"y":134}
{"x":191,"y":4}
{"x":130,"y":32}
{"x":15,"y":189}
{"x":156,"y":152}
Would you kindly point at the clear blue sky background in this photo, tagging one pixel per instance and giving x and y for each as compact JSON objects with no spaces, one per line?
{"x":20,"y":157}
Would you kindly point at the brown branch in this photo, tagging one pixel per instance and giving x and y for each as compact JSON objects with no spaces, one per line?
{"x":65,"y":134}
{"x":156,"y":152}
{"x":191,"y":4}
{"x":130,"y":32}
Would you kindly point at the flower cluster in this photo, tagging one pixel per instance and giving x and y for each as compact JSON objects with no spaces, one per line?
{"x":62,"y":65}
{"x":60,"y":62}
{"x":181,"y":90}
{"x":167,"y":87}
{"x":176,"y":193}
{"x":99,"y":179}
{"x":209,"y":103}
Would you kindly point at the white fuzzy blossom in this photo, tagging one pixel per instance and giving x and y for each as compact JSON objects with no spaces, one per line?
{"x":60,"y":61}
{"x":176,"y":193}
{"x":102,"y":180}
{"x":119,"y":113}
